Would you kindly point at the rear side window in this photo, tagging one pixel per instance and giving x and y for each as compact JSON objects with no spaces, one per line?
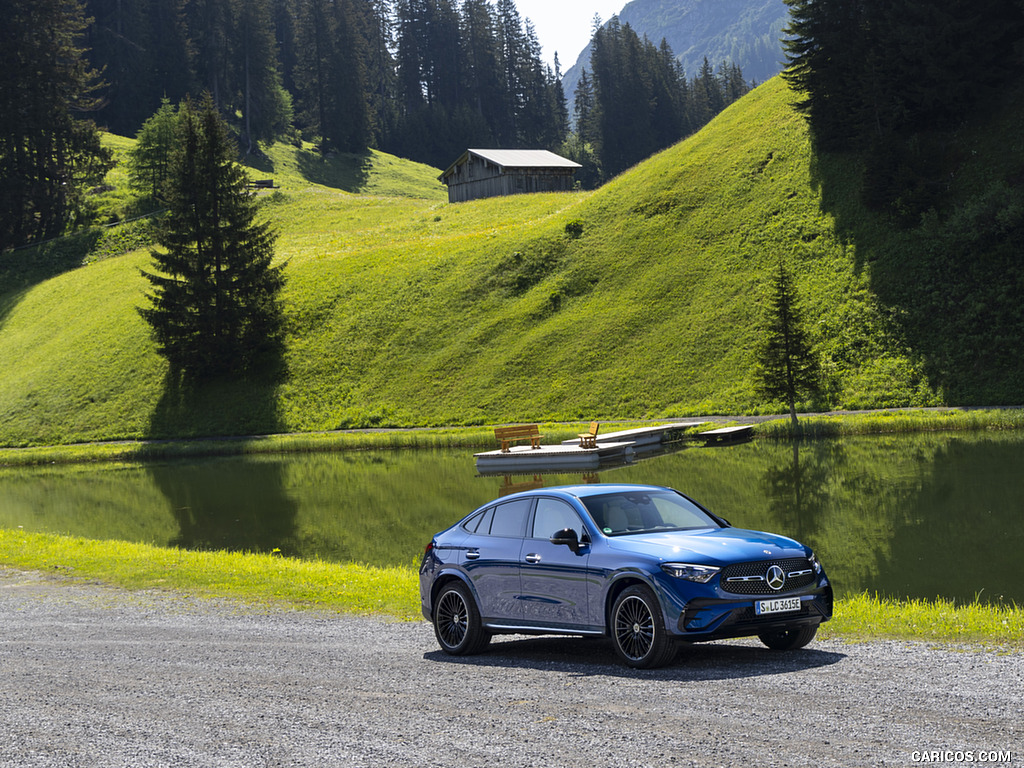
{"x":501,"y":520}
{"x":480,"y":523}
{"x":510,"y":519}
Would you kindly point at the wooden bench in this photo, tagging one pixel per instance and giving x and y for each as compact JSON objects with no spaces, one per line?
{"x":588,"y":439}
{"x":518,"y":433}
{"x":261,"y":184}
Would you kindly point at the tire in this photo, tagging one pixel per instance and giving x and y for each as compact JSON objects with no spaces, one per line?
{"x":457,"y":621}
{"x":789,"y":639}
{"x":638,"y":629}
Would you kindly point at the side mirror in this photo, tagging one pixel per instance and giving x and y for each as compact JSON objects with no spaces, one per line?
{"x":567,"y":537}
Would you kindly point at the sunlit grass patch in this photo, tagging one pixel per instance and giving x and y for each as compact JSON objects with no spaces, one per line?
{"x":896,"y":422}
{"x":394,"y":592}
{"x":258,"y":578}
{"x":871,"y":617}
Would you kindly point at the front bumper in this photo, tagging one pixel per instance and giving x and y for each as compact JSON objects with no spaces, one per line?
{"x":715,"y":619}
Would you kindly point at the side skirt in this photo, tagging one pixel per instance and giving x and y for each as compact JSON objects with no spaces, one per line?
{"x":500,"y":628}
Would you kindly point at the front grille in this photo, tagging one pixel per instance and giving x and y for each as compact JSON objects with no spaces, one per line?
{"x":750,"y":578}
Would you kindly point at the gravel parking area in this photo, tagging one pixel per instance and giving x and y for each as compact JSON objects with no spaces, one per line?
{"x":94,"y":676}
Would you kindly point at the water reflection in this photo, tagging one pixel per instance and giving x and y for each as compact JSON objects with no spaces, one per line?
{"x":230,"y":505}
{"x":915,"y":516}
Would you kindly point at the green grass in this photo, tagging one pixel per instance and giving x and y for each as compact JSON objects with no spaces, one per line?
{"x":640,"y":300}
{"x":249,"y":577}
{"x":372,"y":173}
{"x":870,"y":617}
{"x":901,"y":421}
{"x":394,"y":592}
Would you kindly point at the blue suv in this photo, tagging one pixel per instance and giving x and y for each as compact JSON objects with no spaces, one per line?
{"x":643,"y":565}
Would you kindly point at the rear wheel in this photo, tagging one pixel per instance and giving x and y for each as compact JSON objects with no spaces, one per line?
{"x":638,"y":629}
{"x":457,"y":623}
{"x":789,"y":639}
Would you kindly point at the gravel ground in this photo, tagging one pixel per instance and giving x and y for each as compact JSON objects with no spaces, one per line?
{"x":93,"y":676}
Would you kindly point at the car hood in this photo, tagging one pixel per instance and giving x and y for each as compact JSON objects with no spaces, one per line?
{"x":713,"y":547}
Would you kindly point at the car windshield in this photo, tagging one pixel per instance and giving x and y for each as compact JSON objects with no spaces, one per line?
{"x":629,"y":512}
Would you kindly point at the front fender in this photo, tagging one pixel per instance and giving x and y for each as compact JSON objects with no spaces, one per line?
{"x":672,"y":605}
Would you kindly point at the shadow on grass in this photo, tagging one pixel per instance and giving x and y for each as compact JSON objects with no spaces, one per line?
{"x":949,"y":277}
{"x":26,"y":267}
{"x":220,"y":408}
{"x":344,"y":171}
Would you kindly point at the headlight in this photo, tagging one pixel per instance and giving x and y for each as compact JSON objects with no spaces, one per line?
{"x":814,"y":563}
{"x":699,"y":573}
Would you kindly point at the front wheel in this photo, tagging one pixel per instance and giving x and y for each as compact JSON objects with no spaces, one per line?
{"x":457,"y":623}
{"x":789,"y":639}
{"x":638,"y":629}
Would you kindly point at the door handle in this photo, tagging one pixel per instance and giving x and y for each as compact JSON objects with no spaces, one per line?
{"x":473,"y":554}
{"x":531,"y":558}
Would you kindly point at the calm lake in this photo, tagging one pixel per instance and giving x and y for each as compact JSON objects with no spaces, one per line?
{"x":907,"y":516}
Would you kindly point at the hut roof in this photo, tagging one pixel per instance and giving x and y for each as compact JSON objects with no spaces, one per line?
{"x":514,"y":158}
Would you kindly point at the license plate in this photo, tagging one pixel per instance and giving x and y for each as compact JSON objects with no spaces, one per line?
{"x":782,"y":605}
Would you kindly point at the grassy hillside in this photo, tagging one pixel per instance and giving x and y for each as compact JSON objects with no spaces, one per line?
{"x":638,"y":300}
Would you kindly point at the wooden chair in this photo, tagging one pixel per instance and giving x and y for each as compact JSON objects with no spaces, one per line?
{"x":588,"y":439}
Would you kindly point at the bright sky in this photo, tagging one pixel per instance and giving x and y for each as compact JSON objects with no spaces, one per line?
{"x":564,"y":25}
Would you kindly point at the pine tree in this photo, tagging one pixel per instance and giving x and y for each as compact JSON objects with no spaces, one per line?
{"x":333,"y":73}
{"x":513,"y":56}
{"x":484,"y":84}
{"x":786,"y":367}
{"x":47,"y":156}
{"x":585,"y":111}
{"x":120,"y":45}
{"x":265,"y":106}
{"x":380,"y":69}
{"x":149,"y":160}
{"x":214,"y":308}
{"x":641,"y":101}
{"x":209,"y":30}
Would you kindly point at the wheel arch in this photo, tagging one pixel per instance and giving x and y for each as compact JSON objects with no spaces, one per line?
{"x":617,"y":587}
{"x":446,"y":578}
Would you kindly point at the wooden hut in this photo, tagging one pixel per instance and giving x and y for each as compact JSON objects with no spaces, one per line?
{"x":496,"y":172}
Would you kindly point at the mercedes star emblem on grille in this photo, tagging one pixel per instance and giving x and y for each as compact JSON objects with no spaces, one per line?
{"x":776,"y":577}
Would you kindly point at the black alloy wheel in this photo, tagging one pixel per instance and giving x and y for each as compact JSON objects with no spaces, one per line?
{"x":457,"y":621}
{"x":638,"y":630}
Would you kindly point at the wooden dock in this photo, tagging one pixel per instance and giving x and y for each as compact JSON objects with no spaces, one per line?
{"x":728,"y":435}
{"x":524,"y":459}
{"x":643,"y":438}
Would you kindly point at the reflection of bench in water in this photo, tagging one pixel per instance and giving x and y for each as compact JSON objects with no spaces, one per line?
{"x":511,"y":487}
{"x":724,"y":435}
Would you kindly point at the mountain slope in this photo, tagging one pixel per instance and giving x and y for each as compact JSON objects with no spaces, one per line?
{"x":744,"y":32}
{"x":641,"y":299}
